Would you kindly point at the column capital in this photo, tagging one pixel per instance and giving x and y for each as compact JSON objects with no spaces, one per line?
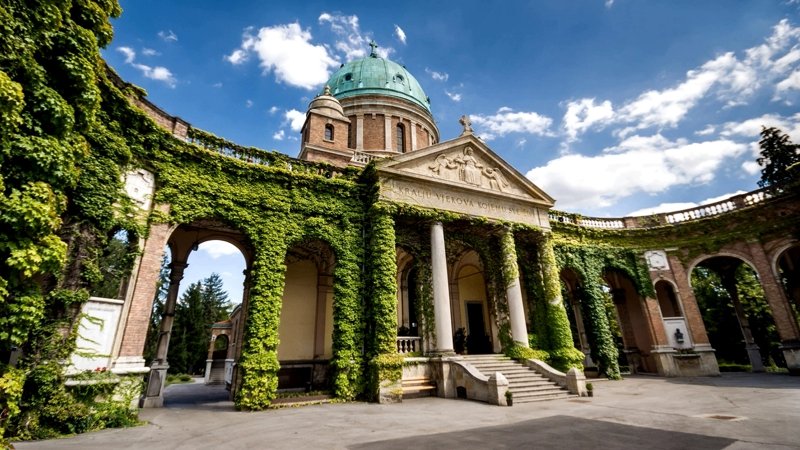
{"x":176,"y":271}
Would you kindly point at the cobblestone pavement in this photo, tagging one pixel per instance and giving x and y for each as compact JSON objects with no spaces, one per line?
{"x":734,"y":411}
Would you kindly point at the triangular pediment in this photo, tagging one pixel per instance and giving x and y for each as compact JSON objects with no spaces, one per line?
{"x":465,"y":164}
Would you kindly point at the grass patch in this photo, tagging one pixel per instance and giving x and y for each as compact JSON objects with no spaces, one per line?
{"x":179,"y":378}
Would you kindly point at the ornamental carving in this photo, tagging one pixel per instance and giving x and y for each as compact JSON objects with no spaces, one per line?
{"x":464,"y":167}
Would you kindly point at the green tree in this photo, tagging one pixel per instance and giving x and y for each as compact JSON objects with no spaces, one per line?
{"x":719,"y":315}
{"x":779,"y":158}
{"x":204,"y":303}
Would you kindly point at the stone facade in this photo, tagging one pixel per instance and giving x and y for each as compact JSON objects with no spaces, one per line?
{"x":462,"y":176}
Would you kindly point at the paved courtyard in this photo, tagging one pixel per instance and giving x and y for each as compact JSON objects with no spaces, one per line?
{"x":734,"y":411}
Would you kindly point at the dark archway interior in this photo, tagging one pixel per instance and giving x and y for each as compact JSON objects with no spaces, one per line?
{"x":737,"y":317}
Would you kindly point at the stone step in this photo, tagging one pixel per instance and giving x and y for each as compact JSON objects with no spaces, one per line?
{"x":417,"y":388}
{"x":486,"y":356}
{"x":498,"y":366}
{"x":504,"y":370}
{"x":535,"y":389}
{"x":541,"y":398}
{"x":416,"y":382}
{"x":527,"y":375}
{"x":522,"y":384}
{"x":525,"y":384}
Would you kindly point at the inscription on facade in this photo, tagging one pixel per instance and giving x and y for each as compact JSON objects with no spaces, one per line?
{"x":467,"y":203}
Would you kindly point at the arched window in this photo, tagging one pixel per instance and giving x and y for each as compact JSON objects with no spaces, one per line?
{"x":328,"y":132}
{"x":400,"y":138}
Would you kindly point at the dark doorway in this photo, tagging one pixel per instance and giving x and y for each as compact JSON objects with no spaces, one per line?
{"x":413,"y":325}
{"x":477,"y":339}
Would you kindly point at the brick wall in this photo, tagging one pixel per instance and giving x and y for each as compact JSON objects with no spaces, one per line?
{"x":138,"y":320}
{"x":374,"y":127}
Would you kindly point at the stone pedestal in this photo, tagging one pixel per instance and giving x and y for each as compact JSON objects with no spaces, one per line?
{"x":791,"y":352}
{"x":154,"y":395}
{"x":754,"y":355}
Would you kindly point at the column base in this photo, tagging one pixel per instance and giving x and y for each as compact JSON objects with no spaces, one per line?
{"x":154,"y":394}
{"x":791,"y":353}
{"x":754,"y":355}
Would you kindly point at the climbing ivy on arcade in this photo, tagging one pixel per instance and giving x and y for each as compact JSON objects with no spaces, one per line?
{"x":590,"y":262}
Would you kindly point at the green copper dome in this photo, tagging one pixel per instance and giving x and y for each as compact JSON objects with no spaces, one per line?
{"x":375,"y":75}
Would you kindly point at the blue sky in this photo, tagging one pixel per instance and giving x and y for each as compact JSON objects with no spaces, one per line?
{"x":612,"y":107}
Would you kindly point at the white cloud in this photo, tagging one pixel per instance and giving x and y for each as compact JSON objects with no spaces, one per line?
{"x":583,"y":114}
{"x":237,"y":57}
{"x":351,"y":43}
{"x":217,"y":249}
{"x":726,"y":78}
{"x":751,"y":167}
{"x":273,"y":110}
{"x":149,"y":52}
{"x":709,"y":129}
{"x":157,"y":73}
{"x":248,"y":103}
{"x":751,"y":128}
{"x":609,"y":3}
{"x":507,"y":121}
{"x":668,"y":107}
{"x":129,"y":53}
{"x":672,"y":207}
{"x":295,"y":118}
{"x":400,"y":34}
{"x":279,"y":135}
{"x":638,"y":164}
{"x":218,"y":84}
{"x":438,"y":76}
{"x":168,"y":36}
{"x":792,"y":82}
{"x":454,"y":96}
{"x":287,"y":51}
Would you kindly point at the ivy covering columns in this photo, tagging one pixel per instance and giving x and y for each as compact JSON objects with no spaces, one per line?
{"x":516,"y":312}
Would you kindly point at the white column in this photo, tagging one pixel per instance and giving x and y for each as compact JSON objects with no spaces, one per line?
{"x":413,"y":135}
{"x":516,"y":311}
{"x":388,"y":131}
{"x":360,"y":132}
{"x":441,"y":291}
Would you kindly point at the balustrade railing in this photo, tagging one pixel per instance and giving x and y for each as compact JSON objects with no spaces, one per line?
{"x":261,"y":157}
{"x":408,"y":344}
{"x":363,"y":157}
{"x":700,"y":212}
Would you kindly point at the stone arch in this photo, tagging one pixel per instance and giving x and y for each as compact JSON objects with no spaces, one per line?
{"x":572,"y":281}
{"x":408,"y":319}
{"x":636,"y":332}
{"x":786,"y":267}
{"x":727,"y":253}
{"x":181,"y":240}
{"x":727,"y":268}
{"x":470,"y":306}
{"x":305,"y":328}
{"x":668,"y":298}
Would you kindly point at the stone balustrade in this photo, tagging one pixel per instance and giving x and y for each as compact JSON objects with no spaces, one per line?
{"x":408,"y":344}
{"x":363,"y":157}
{"x":660,"y":219}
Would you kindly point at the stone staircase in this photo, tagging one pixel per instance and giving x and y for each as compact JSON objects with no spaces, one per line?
{"x":525,"y":384}
{"x":418,"y":387}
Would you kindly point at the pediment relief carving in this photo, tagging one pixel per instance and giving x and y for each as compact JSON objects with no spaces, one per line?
{"x":466,"y":167}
